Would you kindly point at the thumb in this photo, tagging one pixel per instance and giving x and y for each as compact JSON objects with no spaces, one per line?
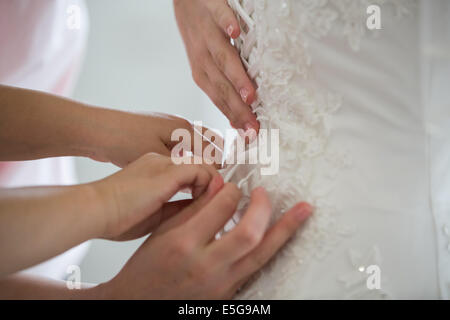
{"x":151,"y":223}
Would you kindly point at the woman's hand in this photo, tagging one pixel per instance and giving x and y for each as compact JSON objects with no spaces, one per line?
{"x":135,"y":200}
{"x":206,"y":27}
{"x":182,"y":259}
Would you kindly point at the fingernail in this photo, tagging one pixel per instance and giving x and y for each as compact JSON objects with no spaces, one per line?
{"x":215,"y":184}
{"x":244,"y":94}
{"x":302,"y":211}
{"x":230,"y":30}
{"x":250,"y":132}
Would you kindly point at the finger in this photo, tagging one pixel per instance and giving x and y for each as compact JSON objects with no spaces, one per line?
{"x":216,"y":213}
{"x":224,"y":16}
{"x":248,"y":233}
{"x":229,"y":63}
{"x":170,"y":209}
{"x":211,"y":91}
{"x":275,"y":238}
{"x":214,"y":90}
{"x":200,"y":184}
{"x":182,"y":176}
{"x":162,"y":150}
{"x":145,"y":227}
{"x":201,"y":78}
{"x":212,"y":145}
{"x":203,"y":142}
{"x":226,"y":98}
{"x":215,"y":185}
{"x":198,"y":189}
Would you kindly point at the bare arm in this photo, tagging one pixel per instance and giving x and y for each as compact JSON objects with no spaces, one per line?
{"x":36,"y":125}
{"x":21,"y":286}
{"x":218,"y":267}
{"x":41,"y":222}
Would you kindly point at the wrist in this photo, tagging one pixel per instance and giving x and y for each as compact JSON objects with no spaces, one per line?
{"x":95,"y":131}
{"x":96,"y":214}
{"x":111,"y":133}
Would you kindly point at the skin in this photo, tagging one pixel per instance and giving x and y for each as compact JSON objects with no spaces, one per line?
{"x":206,"y":27}
{"x":124,"y":206}
{"x":192,"y":261}
{"x":53,"y":126}
{"x":37,"y":223}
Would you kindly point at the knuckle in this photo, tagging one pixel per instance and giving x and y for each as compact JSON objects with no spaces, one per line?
{"x":226,"y":110}
{"x":244,"y":113}
{"x":229,"y":200}
{"x":220,"y":103}
{"x":249,"y":237}
{"x":235,"y":191}
{"x":183,"y":248}
{"x":200,"y":170}
{"x":220,"y":58}
{"x":152,"y":158}
{"x":186,"y":124}
{"x":223,"y":90}
{"x":210,"y":168}
{"x":232,"y":195}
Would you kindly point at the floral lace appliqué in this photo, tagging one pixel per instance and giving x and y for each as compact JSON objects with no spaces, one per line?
{"x":274,"y":47}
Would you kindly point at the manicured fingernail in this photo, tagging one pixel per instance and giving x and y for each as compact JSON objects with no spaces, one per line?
{"x":303,"y":210}
{"x":230,"y":30}
{"x":244,"y":94}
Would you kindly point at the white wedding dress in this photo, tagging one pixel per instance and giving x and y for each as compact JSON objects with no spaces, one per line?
{"x":364,"y":119}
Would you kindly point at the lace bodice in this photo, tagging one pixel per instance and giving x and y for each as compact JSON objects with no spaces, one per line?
{"x":277,"y":47}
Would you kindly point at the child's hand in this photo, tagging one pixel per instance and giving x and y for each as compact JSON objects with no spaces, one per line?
{"x":122,"y":137}
{"x":134,"y":200}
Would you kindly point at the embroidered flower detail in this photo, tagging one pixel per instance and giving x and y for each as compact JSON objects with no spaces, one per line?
{"x":274,"y":47}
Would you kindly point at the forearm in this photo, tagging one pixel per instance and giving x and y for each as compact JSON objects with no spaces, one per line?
{"x":41,"y":222}
{"x":20,"y":286}
{"x":36,"y":125}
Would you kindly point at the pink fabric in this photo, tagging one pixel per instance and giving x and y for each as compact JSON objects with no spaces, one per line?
{"x":16,"y":20}
{"x":4,"y":166}
{"x":39,"y":51}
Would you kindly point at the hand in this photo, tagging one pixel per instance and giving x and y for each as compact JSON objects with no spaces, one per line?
{"x":123,"y":137}
{"x":182,"y":259}
{"x":206,"y":27}
{"x":135,"y":200}
{"x":53,"y":127}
